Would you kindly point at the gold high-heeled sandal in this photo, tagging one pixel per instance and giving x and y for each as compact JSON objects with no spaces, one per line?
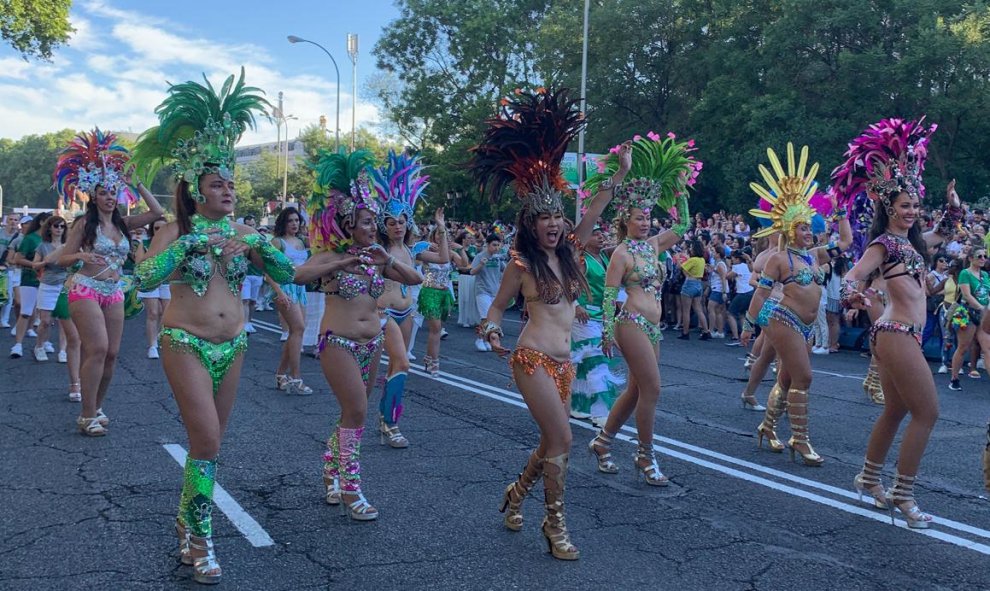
{"x":868,"y":482}
{"x":517,"y":491}
{"x":775,"y":408}
{"x":603,"y":441}
{"x":901,"y":497}
{"x":554,"y":527}
{"x":206,"y":569}
{"x":651,"y":470}
{"x":395,"y":438}
{"x":797,"y":409}
{"x":871,"y":385}
{"x":183,"y":534}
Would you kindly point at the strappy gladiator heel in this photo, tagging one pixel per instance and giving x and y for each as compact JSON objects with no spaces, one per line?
{"x":775,"y":408}
{"x":183,"y":534}
{"x":359,"y":509}
{"x":431,"y":365}
{"x":901,"y":497}
{"x":871,"y":385}
{"x":797,"y":408}
{"x":868,"y":482}
{"x":651,"y":471}
{"x":391,"y":435}
{"x":554,"y":528}
{"x":605,"y":462}
{"x":517,"y":491}
{"x":206,"y":569}
{"x":749,"y":402}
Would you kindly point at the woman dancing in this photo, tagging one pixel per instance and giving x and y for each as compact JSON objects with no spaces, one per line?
{"x":435,"y":298}
{"x":398,"y":185}
{"x":887,"y":161}
{"x":523,"y":147}
{"x":790,"y":323}
{"x":290,"y":299}
{"x":662,"y":172}
{"x":342,"y":235}
{"x":93,"y":164}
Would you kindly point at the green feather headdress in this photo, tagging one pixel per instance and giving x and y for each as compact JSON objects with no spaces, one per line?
{"x":662,"y":169}
{"x":197,"y":130}
{"x":342,"y":187}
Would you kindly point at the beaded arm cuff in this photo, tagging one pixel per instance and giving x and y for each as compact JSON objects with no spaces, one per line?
{"x":749,"y":325}
{"x":155,"y":270}
{"x":683,"y":217}
{"x":846,"y":291}
{"x":486,"y":328}
{"x":608,"y":312}
{"x":277,"y":265}
{"x":765,"y":281}
{"x":833,"y":249}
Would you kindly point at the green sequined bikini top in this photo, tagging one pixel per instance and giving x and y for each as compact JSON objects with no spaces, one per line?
{"x":198,"y":268}
{"x":651,"y":275}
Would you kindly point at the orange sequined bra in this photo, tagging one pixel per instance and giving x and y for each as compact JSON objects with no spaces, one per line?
{"x":548,"y":292}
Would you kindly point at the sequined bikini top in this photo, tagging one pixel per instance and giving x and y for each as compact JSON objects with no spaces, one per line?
{"x":651,"y":275}
{"x":900,"y":251}
{"x":198,"y":268}
{"x":804,"y":276}
{"x":548,"y":292}
{"x":351,"y":285}
{"x":114,"y":253}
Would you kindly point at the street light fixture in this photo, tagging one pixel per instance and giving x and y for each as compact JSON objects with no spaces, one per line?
{"x":352,"y":51}
{"x":293,"y":39}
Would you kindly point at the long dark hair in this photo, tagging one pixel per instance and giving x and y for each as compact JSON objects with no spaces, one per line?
{"x":407,"y":239}
{"x":35,"y":224}
{"x":282,"y":221}
{"x":92,"y":218}
{"x":46,"y":228}
{"x":527,"y":244}
{"x":881,"y":221}
{"x":697,"y":249}
{"x":185,"y":207}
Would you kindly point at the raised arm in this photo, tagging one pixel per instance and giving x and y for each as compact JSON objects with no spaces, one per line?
{"x":950,"y":217}
{"x":582,"y":232}
{"x":154,"y":212}
{"x":442,"y":255}
{"x":668,"y":238}
{"x":833,"y":249}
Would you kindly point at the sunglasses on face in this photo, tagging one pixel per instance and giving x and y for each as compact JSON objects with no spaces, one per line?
{"x":58,"y":225}
{"x":981,"y":256}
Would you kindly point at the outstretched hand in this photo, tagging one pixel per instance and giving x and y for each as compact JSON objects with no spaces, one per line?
{"x":625,"y":157}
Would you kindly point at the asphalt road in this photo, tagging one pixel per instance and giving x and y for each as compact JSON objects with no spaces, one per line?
{"x":81,"y":513}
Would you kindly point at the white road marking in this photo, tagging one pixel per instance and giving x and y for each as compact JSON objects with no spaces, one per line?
{"x":515,"y":399}
{"x":267,"y":326}
{"x":244,"y":523}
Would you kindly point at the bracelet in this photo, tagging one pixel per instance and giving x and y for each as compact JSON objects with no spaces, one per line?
{"x":486,"y":328}
{"x":749,"y":325}
{"x":389,"y":262}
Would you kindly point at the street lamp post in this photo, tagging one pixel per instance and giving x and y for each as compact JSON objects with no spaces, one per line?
{"x":285,"y":170}
{"x":294,"y":39}
{"x":584,"y":108}
{"x":352,"y":51}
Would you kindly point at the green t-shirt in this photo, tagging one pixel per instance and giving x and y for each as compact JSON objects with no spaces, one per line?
{"x":978,"y":287}
{"x":29,"y":244}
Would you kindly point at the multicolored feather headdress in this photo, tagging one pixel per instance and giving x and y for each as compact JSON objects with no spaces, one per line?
{"x":662,"y":170}
{"x":788,"y":193}
{"x":341,"y":189}
{"x":398,"y":185}
{"x":91,"y":159}
{"x":197,"y":131}
{"x":523,"y":147}
{"x":886,"y":159}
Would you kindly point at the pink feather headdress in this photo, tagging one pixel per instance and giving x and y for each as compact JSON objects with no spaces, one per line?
{"x":91,"y":159}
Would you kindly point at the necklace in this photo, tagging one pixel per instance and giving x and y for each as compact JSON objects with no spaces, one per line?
{"x":803,"y":253}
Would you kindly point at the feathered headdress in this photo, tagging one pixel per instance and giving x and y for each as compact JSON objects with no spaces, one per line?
{"x":398,"y":185}
{"x":662,"y":169}
{"x":197,"y":130}
{"x":788,"y":193}
{"x":887,"y":158}
{"x":92,"y":159}
{"x":523,"y":147}
{"x":342,"y":187}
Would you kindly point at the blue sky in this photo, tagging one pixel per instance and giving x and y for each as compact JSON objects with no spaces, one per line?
{"x":113,"y":71}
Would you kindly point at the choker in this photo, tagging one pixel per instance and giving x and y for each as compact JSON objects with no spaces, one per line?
{"x":803,"y":253}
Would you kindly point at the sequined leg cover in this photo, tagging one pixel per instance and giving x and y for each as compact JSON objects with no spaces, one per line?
{"x":349,"y":458}
{"x":363,"y":353}
{"x":331,"y":457}
{"x":215,"y":357}
{"x":791,"y":320}
{"x":894,"y":326}
{"x":651,"y":330}
{"x":196,"y":501}
{"x":562,"y":372}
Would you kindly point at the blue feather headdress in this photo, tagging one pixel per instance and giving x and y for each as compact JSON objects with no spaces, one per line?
{"x":398,"y":185}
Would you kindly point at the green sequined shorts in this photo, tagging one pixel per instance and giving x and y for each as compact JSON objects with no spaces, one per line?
{"x":215,"y":357}
{"x":435,"y":303}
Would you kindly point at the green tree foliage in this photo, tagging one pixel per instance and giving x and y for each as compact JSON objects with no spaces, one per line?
{"x":26,"y":168}
{"x":737,"y":75}
{"x":35,"y":28}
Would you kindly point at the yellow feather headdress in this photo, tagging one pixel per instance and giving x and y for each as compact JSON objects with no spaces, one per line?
{"x":787,"y":194}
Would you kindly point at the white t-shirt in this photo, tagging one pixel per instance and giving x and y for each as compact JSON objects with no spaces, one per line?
{"x":742,"y":277}
{"x":716,"y":281}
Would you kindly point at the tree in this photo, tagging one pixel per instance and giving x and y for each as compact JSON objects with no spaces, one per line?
{"x":35,"y":27}
{"x":26,"y":168}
